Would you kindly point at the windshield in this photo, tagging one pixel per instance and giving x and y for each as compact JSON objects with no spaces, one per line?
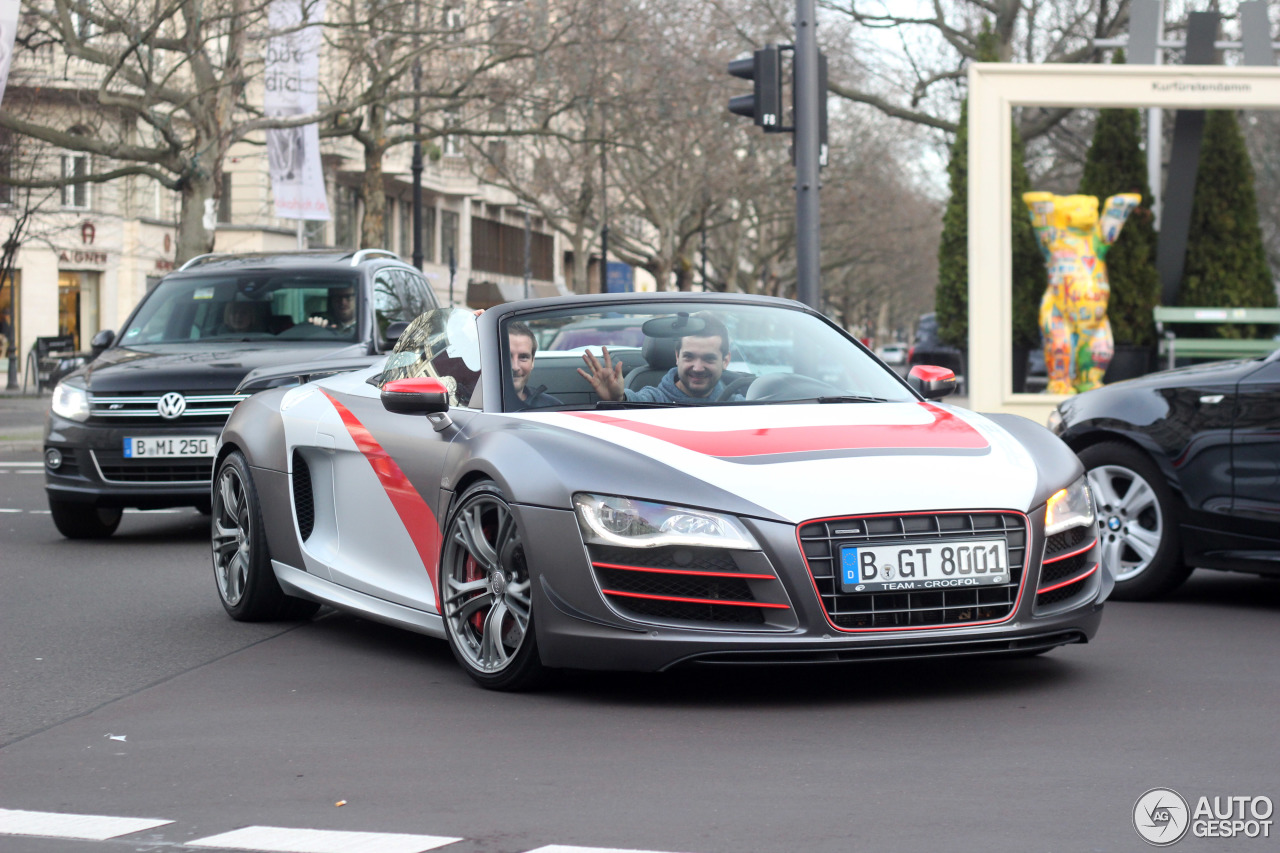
{"x":663,"y":354}
{"x":260,"y":306}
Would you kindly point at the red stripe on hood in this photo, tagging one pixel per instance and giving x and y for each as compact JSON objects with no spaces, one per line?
{"x":945,"y":431}
{"x":415,"y":515}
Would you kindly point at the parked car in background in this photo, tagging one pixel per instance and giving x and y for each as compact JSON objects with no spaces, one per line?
{"x":137,"y":426}
{"x":1185,"y":468}
{"x":928,"y":348}
{"x":893,"y":354}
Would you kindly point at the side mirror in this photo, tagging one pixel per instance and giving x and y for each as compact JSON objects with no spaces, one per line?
{"x":392,"y":333}
{"x":932,"y":382}
{"x":424,"y":395}
{"x":100,"y":342}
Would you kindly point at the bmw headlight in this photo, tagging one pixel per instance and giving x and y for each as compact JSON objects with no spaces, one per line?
{"x":629,"y":523}
{"x":70,"y":402}
{"x":1068,"y":508}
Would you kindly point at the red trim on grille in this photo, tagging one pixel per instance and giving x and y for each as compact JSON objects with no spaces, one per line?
{"x":1061,"y":584}
{"x":418,"y":519}
{"x":681,"y":598}
{"x":700,"y":574}
{"x":1013,"y":610}
{"x":1075,"y":553}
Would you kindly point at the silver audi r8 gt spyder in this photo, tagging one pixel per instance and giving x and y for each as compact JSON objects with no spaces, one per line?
{"x":642,"y":507}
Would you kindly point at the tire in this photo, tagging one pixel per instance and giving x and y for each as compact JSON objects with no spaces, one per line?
{"x":487,"y":594}
{"x":242,"y":570}
{"x":84,"y":521}
{"x":1137,"y":521}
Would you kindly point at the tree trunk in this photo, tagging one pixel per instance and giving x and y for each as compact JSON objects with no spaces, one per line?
{"x":373,"y":230}
{"x":198,"y":217}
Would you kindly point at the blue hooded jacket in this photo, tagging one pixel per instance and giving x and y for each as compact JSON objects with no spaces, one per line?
{"x":667,"y":391}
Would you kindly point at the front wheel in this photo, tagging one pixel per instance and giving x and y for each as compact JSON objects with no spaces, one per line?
{"x":84,"y":521}
{"x":242,"y":569}
{"x":487,"y":593}
{"x":1136,"y":521}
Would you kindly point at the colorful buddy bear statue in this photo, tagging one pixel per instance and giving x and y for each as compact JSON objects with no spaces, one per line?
{"x":1073,"y":313}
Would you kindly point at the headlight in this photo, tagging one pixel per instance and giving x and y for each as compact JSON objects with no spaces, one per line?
{"x":628,"y":523}
{"x":70,"y":402}
{"x":1069,"y":507}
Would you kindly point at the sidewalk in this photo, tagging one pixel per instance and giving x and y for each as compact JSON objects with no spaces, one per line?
{"x":22,"y":420}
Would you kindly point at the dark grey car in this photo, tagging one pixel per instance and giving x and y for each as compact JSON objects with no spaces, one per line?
{"x":136,"y":427}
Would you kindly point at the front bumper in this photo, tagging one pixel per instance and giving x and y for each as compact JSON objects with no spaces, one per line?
{"x":578,"y":627}
{"x":94,"y":470}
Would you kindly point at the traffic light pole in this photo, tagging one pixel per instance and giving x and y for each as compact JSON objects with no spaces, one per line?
{"x":806,"y":140}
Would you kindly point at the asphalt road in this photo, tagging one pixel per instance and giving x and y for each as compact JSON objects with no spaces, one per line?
{"x":127,"y":692}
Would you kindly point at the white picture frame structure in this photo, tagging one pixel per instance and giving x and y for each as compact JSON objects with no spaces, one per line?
{"x":994,"y":89}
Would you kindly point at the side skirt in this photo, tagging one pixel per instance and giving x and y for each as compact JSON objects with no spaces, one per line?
{"x":305,"y":585}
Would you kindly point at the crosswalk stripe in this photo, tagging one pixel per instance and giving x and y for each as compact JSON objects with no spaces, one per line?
{"x":82,"y":826}
{"x":562,"y":848}
{"x":277,"y":839}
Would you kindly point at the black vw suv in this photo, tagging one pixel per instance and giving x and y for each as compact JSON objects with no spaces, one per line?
{"x":137,"y":425}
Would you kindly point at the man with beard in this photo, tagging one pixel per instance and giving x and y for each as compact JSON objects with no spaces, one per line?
{"x":523,"y":347}
{"x":701,"y":360}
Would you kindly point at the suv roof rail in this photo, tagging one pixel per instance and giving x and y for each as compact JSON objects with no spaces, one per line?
{"x":198,"y":259}
{"x":359,"y":256}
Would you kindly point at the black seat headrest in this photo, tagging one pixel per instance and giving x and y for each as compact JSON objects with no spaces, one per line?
{"x":660,"y":353}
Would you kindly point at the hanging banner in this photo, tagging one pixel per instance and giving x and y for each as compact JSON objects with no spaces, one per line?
{"x":8,"y":29}
{"x":292,"y":84}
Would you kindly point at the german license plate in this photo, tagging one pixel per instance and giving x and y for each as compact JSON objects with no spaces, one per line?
{"x":169,"y":446}
{"x":922,"y":567}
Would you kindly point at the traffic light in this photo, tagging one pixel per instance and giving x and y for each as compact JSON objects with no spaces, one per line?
{"x":764,"y":105}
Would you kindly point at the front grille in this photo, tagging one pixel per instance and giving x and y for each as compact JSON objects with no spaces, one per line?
{"x":1070,"y":561}
{"x":303,"y":504}
{"x":113,"y":467}
{"x":685,"y":586}
{"x":821,"y":542}
{"x":143,"y":409}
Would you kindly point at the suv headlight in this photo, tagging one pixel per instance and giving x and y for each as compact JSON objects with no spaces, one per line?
{"x":629,"y":523}
{"x":70,"y":402}
{"x":1068,"y":508}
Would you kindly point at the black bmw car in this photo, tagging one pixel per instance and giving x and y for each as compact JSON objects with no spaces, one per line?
{"x":1185,"y":469}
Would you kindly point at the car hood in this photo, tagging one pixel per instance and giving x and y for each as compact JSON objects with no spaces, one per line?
{"x":194,"y":367}
{"x":807,"y":461}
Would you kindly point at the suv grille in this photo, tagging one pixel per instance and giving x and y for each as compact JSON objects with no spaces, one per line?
{"x":125,"y":409}
{"x":113,"y":467}
{"x":685,"y":586}
{"x":821,"y":542}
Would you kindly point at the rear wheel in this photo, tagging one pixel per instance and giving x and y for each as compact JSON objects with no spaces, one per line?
{"x":1136,"y":521}
{"x":246,"y":582}
{"x":84,"y":521}
{"x":487,"y":593}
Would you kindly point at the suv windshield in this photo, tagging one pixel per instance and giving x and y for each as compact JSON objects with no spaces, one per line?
{"x":263,"y":306}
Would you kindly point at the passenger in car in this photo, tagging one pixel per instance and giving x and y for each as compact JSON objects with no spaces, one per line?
{"x":241,"y":318}
{"x":701,"y":360}
{"x":523,"y":347}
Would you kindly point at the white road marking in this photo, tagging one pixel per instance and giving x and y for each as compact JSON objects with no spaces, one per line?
{"x":83,"y":826}
{"x":277,"y":839}
{"x":9,"y":510}
{"x":563,"y":848}
{"x":21,"y":464}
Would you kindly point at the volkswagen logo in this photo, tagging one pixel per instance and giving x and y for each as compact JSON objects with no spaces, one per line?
{"x":171,"y":405}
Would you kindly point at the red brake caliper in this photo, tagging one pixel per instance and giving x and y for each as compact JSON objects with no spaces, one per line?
{"x":473,"y":572}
